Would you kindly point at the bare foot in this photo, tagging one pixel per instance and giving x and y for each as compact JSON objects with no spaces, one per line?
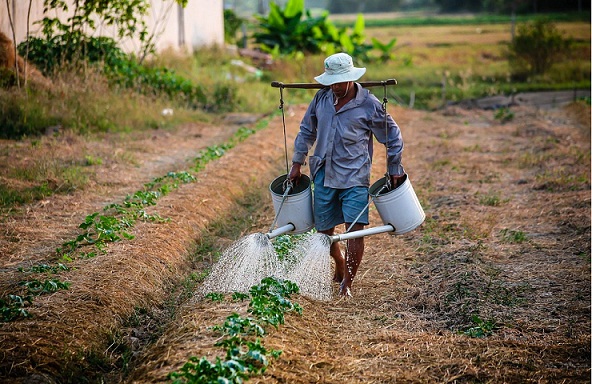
{"x":345,"y":290}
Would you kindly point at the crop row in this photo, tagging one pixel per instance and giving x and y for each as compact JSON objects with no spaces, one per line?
{"x":99,"y":229}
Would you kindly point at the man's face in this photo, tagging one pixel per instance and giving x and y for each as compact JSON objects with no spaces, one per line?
{"x":340,"y":89}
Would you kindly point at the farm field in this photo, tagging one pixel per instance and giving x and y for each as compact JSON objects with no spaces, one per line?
{"x":493,"y":287}
{"x":472,"y":46}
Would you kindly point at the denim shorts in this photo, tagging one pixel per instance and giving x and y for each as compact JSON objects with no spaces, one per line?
{"x":337,"y":206}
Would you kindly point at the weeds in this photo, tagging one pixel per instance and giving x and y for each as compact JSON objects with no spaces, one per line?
{"x":503,"y":115}
{"x":562,"y":179}
{"x":467,"y":288}
{"x":513,"y":236}
{"x":41,"y":178}
{"x":491,"y":199}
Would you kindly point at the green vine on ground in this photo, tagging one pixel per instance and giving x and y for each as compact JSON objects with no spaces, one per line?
{"x":12,"y":306}
{"x":114,"y":225}
{"x":245,"y":355}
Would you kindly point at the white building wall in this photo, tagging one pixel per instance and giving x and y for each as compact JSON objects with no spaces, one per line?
{"x":204,"y":26}
{"x":18,"y":14}
{"x":200,"y":24}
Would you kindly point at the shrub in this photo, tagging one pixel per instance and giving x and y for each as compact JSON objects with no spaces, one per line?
{"x":20,"y":117}
{"x":536,"y":46}
{"x":51,"y":53}
{"x":232,"y":23}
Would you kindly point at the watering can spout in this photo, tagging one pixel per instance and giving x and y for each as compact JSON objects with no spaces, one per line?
{"x":362,"y":233}
{"x":281,"y":231}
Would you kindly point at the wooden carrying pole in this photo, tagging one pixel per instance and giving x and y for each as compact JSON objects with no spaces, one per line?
{"x":365,"y":84}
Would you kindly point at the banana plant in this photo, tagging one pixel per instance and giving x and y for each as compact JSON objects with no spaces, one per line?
{"x":385,"y":49}
{"x":293,"y":30}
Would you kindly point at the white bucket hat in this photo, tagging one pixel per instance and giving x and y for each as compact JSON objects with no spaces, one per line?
{"x":339,"y":68}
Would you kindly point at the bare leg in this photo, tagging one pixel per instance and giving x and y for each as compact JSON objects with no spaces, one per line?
{"x":335,"y":252}
{"x":353,"y":257}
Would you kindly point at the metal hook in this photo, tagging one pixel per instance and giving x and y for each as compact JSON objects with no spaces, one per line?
{"x":287,"y":185}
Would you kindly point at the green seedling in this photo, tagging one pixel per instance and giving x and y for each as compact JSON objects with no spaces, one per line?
{"x":44,"y":268}
{"x":235,"y":325}
{"x":481,"y":328}
{"x":201,"y":370}
{"x":282,"y":245}
{"x":12,"y":308}
{"x":215,"y":296}
{"x":239,"y":296}
{"x":245,"y":357}
{"x":210,"y":153}
{"x":36,"y":287}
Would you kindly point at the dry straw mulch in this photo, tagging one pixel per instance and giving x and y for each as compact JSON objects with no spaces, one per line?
{"x":506,"y":241}
{"x":416,"y":297}
{"x":72,"y":327}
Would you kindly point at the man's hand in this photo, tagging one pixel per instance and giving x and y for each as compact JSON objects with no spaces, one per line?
{"x":294,"y":175}
{"x":397,"y":180}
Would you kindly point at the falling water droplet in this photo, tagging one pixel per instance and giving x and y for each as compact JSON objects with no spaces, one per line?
{"x":250,"y":259}
{"x":309,"y":266}
{"x":244,"y":264}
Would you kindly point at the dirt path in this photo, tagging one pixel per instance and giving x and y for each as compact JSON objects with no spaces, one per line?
{"x":127,"y":162}
{"x":506,"y":241}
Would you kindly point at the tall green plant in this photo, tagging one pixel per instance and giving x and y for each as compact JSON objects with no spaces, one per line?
{"x":293,"y":30}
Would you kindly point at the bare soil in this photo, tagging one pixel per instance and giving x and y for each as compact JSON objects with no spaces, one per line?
{"x":505,"y":249}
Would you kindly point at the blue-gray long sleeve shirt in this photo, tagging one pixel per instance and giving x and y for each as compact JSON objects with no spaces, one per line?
{"x":344,"y":138}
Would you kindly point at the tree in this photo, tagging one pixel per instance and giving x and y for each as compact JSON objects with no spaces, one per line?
{"x":536,"y":46}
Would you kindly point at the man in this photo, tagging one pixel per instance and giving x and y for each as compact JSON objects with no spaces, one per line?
{"x":341,"y":120}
